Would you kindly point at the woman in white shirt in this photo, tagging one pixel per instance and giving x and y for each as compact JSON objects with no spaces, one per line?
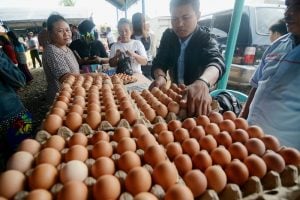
{"x":132,"y":48}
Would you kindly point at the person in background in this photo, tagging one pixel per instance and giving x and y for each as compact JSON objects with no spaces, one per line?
{"x":21,"y":56}
{"x":190,"y":55}
{"x":132,"y":48}
{"x":277,"y":30}
{"x":273,"y":101}
{"x":33,"y":46}
{"x":8,"y":48}
{"x":75,"y":32}
{"x":43,"y":37}
{"x":89,"y":50}
{"x":110,"y":37}
{"x":15,"y":119}
{"x":58,"y":60}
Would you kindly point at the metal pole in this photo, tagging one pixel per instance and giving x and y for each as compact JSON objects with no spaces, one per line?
{"x":126,"y":9}
{"x":143,"y":7}
{"x":231,"y":40}
{"x":117,"y":10}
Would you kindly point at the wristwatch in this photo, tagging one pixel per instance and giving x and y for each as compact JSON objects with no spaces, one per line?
{"x":206,"y":82}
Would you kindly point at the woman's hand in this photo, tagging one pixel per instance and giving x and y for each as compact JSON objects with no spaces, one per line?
{"x":158,"y":82}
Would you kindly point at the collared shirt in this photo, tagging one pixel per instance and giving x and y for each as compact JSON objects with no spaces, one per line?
{"x":180,"y":62}
{"x":275,"y":106}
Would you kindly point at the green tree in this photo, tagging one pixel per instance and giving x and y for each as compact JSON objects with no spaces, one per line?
{"x":68,"y":2}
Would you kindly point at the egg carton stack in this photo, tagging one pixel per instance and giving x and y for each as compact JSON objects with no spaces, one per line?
{"x":208,"y":157}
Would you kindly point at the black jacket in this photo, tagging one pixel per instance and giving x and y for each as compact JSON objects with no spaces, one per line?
{"x":84,"y":49}
{"x":202,"y":51}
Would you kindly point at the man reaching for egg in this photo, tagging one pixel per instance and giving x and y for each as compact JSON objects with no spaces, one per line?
{"x":190,"y":55}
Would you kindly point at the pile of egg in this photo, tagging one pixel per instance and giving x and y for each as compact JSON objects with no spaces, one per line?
{"x":208,"y":157}
{"x":126,"y":79}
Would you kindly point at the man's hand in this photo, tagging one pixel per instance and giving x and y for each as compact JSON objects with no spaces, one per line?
{"x":198,"y":99}
{"x":158,"y":82}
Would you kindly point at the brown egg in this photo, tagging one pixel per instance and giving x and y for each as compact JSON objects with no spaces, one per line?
{"x":78,"y":139}
{"x":145,"y":196}
{"x":99,"y":135}
{"x":159,"y":127}
{"x":11,"y":182}
{"x":208,"y":143}
{"x":126,"y":144}
{"x":229,"y":115}
{"x":73,"y":121}
{"x":79,"y":100}
{"x":49,"y":155}
{"x":130,"y":115}
{"x":39,"y":194}
{"x":202,"y":120}
{"x":65,"y":92}
{"x":255,"y":131}
{"x":161,"y":110}
{"x":93,"y":107}
{"x":43,"y":176}
{"x":196,"y":181}
{"x":73,"y":170}
{"x":120,"y":133}
{"x":93,"y":119}
{"x":79,"y":91}
{"x":216,"y":178}
{"x":212,"y":129}
{"x":149,"y":114}
{"x":102,"y":148}
{"x":103,"y":166}
{"x":179,"y":192}
{"x":183,"y":164}
{"x":227,"y":125}
{"x":165,"y":137}
{"x":237,"y":172}
{"x":63,"y":98}
{"x":21,"y":161}
{"x":224,"y":139}
{"x":107,"y":187}
{"x":129,"y":160}
{"x":154,"y":154}
{"x":240,"y":135}
{"x":61,"y":104}
{"x":274,"y":161}
{"x":241,"y":123}
{"x":271,"y":142}
{"x":58,"y":111}
{"x":93,"y":97}
{"x":220,"y":156}
{"x":52,"y":123}
{"x":238,"y":151}
{"x":138,"y":130}
{"x":197,"y":132}
{"x":174,"y":107}
{"x":76,"y":152}
{"x":173,"y":149}
{"x":55,"y":141}
{"x":215,"y":117}
{"x":189,"y":123}
{"x":73,"y":190}
{"x":145,"y":141}
{"x":256,"y":146}
{"x":290,"y":155}
{"x":256,"y":166}
{"x":113,"y":116}
{"x":138,"y":180}
{"x":76,"y":108}
{"x":190,"y":146}
{"x":181,"y":134}
{"x":173,"y":125}
{"x":30,"y":145}
{"x":201,"y":160}
{"x":165,"y":174}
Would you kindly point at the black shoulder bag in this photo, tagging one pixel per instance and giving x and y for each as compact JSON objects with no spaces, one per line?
{"x":124,"y":65}
{"x":228,"y":101}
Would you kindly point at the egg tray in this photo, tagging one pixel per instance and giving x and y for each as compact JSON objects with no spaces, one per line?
{"x":126,"y":79}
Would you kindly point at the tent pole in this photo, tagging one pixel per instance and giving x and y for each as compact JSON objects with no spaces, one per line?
{"x":125,"y":9}
{"x":143,"y":7}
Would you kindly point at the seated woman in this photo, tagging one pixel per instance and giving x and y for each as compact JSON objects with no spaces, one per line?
{"x":58,"y":60}
{"x":88,"y":49}
{"x":132,"y":48}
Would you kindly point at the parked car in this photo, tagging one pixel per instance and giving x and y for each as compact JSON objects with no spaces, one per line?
{"x":253,"y":37}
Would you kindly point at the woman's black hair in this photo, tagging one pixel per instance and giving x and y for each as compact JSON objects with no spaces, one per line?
{"x":13,"y":38}
{"x":53,"y":19}
{"x":279,"y":27}
{"x":194,"y":3}
{"x":4,"y":40}
{"x":138,"y":21}
{"x":85,"y":26}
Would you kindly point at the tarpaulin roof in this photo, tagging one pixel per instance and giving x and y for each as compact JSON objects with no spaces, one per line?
{"x":121,"y":4}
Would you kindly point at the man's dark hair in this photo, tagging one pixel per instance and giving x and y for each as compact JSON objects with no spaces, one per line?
{"x":53,"y":19}
{"x":194,"y":3}
{"x":279,"y":27}
{"x":85,"y":26}
{"x":44,"y":25}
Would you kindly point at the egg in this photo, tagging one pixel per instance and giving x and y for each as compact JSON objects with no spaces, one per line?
{"x":130,"y":115}
{"x":227,"y":125}
{"x":21,"y":161}
{"x":43,"y":176}
{"x":274,"y":161}
{"x":215,"y":117}
{"x":183,"y":164}
{"x":190,"y":146}
{"x":93,"y":119}
{"x":256,"y":146}
{"x":145,"y":196}
{"x":11,"y":182}
{"x":224,"y":139}
{"x":173,"y":125}
{"x":229,"y":115}
{"x":174,"y":107}
{"x":159,"y":127}
{"x":102,"y":148}
{"x":202,"y":160}
{"x":73,"y":170}
{"x":154,"y":154}
{"x":237,"y":172}
{"x":216,"y":178}
{"x":120,"y":133}
{"x":161,"y":110}
{"x":48,"y":155}
{"x":106,"y":187}
{"x":76,"y":152}
{"x":149,"y":114}
{"x":29,"y":145}
{"x":290,"y":155}
{"x":129,"y":160}
{"x":241,"y":123}
{"x":102,"y":166}
{"x":189,"y":123}
{"x":63,"y":98}
{"x":256,"y":166}
{"x":238,"y":151}
{"x":79,"y":100}
{"x":146,"y":140}
{"x":165,"y":174}
{"x":255,"y":131}
{"x":212,"y":129}
{"x":55,"y":141}
{"x":52,"y":123}
{"x":138,"y":180}
{"x":271,"y":142}
{"x":173,"y":149}
{"x":99,"y":135}
{"x":197,"y":132}
{"x":196,"y":181}
{"x":76,"y":108}
{"x":179,"y":192}
{"x":78,"y":139}
{"x":126,"y":144}
{"x":208,"y":143}
{"x":113,"y":116}
{"x":39,"y":194}
{"x":202,"y":120}
{"x":75,"y":190}
{"x":58,"y":111}
{"x":181,"y":134}
{"x":240,"y":135}
{"x":138,"y":130}
{"x":165,"y":137}
{"x":61,"y":104}
{"x":73,"y":121}
{"x":220,"y":156}
{"x":93,"y":107}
